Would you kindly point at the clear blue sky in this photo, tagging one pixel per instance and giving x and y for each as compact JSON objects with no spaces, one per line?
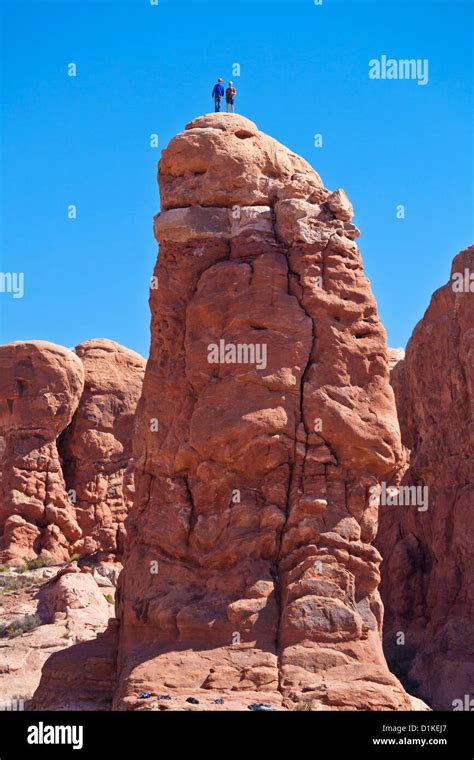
{"x":145,"y":69}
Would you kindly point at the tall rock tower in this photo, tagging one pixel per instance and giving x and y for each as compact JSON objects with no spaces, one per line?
{"x":266,"y":416}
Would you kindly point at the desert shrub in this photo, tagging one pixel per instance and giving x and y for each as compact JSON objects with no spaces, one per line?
{"x":42,"y":561}
{"x":14,"y":583}
{"x":19,"y":625}
{"x":307,"y":705}
{"x":109,"y":598}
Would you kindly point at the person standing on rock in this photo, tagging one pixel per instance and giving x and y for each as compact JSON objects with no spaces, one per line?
{"x":230,"y":94}
{"x":218,"y":94}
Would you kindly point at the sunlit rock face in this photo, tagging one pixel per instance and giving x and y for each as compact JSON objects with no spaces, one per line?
{"x":40,"y":387}
{"x":265,"y":420}
{"x":96,"y":448}
{"x":250,"y":572}
{"x":66,"y":423}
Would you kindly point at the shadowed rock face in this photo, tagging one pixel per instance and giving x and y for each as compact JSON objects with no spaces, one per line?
{"x":427,"y":571}
{"x":82,"y":403}
{"x":250,"y":571}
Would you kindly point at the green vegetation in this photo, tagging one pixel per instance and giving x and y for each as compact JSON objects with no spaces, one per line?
{"x":19,"y":625}
{"x":42,"y":561}
{"x":33,"y":564}
{"x":14,"y":583}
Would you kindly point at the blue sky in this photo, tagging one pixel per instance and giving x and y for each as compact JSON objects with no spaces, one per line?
{"x":144,"y":69}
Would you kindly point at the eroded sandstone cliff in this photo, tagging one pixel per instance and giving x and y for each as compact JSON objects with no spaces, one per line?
{"x":96,"y":448}
{"x":265,"y":418}
{"x":250,"y":574}
{"x":40,"y":387}
{"x":427,"y":571}
{"x":66,"y":419}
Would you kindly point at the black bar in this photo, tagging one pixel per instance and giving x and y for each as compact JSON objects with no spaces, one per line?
{"x":137,"y":735}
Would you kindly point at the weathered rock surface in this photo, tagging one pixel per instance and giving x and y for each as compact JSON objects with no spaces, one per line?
{"x":428,"y":587}
{"x":96,"y":448}
{"x":40,"y":387}
{"x":76,"y":595}
{"x":66,"y":418}
{"x":252,"y":494}
{"x":266,"y":416}
{"x":70,"y":609}
{"x":81,"y":677}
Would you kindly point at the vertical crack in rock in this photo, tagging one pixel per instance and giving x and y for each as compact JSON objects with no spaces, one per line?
{"x":192,"y":516}
{"x":298,"y":423}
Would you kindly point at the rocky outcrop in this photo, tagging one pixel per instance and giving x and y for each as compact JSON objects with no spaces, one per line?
{"x":40,"y":387}
{"x":80,"y":677}
{"x":83,"y":674}
{"x":42,"y":612}
{"x":265,"y":418}
{"x":428,"y":545}
{"x":96,"y":448}
{"x":66,"y":422}
{"x":77,"y":596}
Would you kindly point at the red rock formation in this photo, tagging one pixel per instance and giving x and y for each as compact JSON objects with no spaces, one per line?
{"x":427,"y":571}
{"x":40,"y":387}
{"x":250,"y":572}
{"x":96,"y":448}
{"x":83,"y":403}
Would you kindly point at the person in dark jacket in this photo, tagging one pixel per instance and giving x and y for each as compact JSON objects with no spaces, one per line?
{"x":218,"y":94}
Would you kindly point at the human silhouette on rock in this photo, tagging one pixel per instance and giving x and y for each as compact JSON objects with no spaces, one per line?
{"x":218,"y":94}
{"x":230,"y":94}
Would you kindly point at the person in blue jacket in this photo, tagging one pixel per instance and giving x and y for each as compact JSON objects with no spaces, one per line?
{"x":218,"y":94}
